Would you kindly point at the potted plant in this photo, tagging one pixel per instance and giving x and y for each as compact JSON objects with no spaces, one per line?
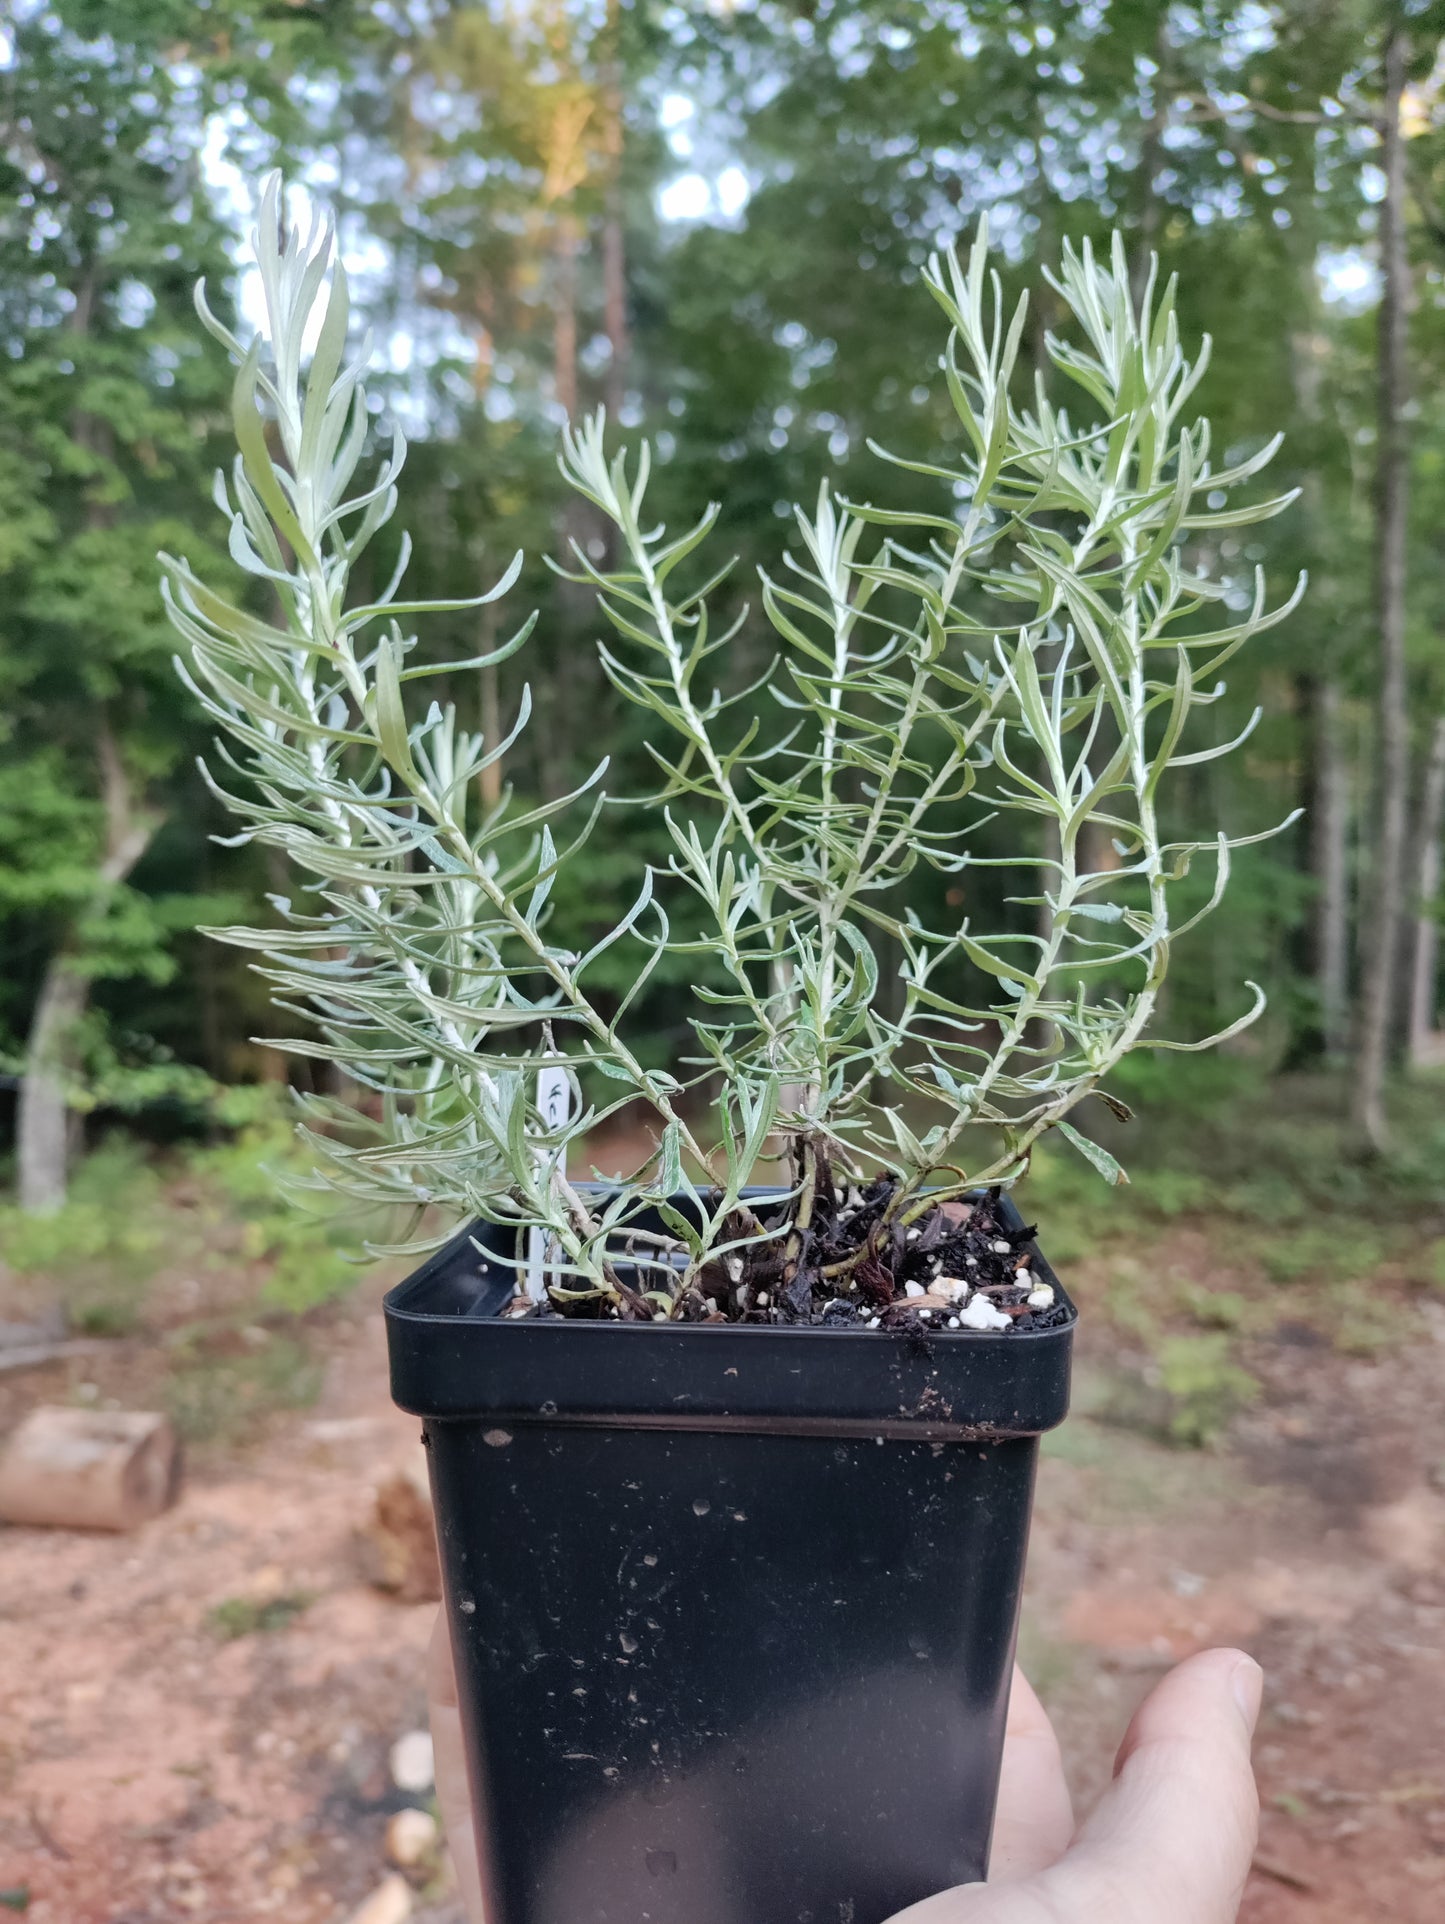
{"x":733,"y":1458}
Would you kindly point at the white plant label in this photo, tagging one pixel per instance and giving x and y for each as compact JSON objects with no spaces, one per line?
{"x":554,"y":1095}
{"x":554,"y":1100}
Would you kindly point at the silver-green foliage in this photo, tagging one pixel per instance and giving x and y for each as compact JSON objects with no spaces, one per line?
{"x":1034,"y":649}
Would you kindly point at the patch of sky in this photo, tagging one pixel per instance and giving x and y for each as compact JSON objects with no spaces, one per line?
{"x":697,"y":197}
{"x":1348,"y":278}
{"x":850,"y":47}
{"x":134,"y":303}
{"x":687,"y":198}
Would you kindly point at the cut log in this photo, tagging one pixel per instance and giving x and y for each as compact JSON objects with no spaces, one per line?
{"x":73,"y":1469}
{"x":399,"y":1544}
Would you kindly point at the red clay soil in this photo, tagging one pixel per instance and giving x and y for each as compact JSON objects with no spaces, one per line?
{"x":150,"y":1770}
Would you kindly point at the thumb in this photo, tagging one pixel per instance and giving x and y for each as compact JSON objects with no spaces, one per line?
{"x":1174,"y":1835}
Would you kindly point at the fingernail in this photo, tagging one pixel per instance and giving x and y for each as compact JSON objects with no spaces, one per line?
{"x":1247,"y":1683}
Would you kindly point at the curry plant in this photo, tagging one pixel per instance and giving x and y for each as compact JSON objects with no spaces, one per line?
{"x":1029,"y":652}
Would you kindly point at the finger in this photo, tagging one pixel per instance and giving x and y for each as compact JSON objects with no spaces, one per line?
{"x":1035,"y":1814}
{"x":453,"y":1793}
{"x":1175,"y":1833}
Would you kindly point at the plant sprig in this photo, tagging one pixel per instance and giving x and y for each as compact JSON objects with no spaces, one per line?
{"x":1031,"y":650}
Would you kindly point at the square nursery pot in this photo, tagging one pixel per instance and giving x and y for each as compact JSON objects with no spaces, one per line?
{"x":733,"y":1607}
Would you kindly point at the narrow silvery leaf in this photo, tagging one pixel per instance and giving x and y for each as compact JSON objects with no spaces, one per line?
{"x":1106,"y":1165}
{"x":390,"y":716}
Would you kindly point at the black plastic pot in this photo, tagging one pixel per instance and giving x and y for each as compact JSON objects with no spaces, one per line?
{"x":733,"y":1608}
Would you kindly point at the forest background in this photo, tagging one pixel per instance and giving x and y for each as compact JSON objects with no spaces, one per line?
{"x":712,"y":219}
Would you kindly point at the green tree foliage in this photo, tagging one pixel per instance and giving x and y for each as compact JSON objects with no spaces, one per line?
{"x":490,"y":162}
{"x":107,"y":412}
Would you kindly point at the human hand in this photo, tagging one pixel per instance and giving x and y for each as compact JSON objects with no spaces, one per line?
{"x":1172,"y":1837}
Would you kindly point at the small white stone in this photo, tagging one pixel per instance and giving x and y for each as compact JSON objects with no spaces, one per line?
{"x":981,"y":1314}
{"x":914,"y":1234}
{"x":1000,"y":1248}
{"x":413,"y":1766}
{"x":1041,"y":1297}
{"x":1023,"y":1279}
{"x":914,"y":1289}
{"x":972,"y":1261}
{"x":409,"y":1836}
{"x":952,"y":1288}
{"x":872,"y":1322}
{"x":953,"y":1322}
{"x":735,"y":1268}
{"x":390,"y":1903}
{"x":762,"y":1299}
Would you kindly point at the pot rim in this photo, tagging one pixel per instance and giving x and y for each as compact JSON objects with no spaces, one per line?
{"x":453,"y":1358}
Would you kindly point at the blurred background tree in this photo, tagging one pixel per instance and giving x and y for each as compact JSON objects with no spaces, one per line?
{"x":712,"y":218}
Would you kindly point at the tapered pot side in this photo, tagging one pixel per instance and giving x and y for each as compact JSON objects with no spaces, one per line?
{"x":733,"y":1608}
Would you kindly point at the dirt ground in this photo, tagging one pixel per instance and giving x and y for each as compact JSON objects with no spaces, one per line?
{"x":150,"y":1770}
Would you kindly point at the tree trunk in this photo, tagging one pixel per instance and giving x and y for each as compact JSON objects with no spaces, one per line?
{"x":1425,"y":950}
{"x":1377,"y":1001}
{"x":614,"y":298}
{"x":572,"y":686}
{"x":51,"y":1054}
{"x":1329,"y":853}
{"x":43,"y":1121}
{"x":51,"y":1057}
{"x":565,"y":243}
{"x":1151,"y":154}
{"x":1328,"y":789}
{"x":614,"y":240}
